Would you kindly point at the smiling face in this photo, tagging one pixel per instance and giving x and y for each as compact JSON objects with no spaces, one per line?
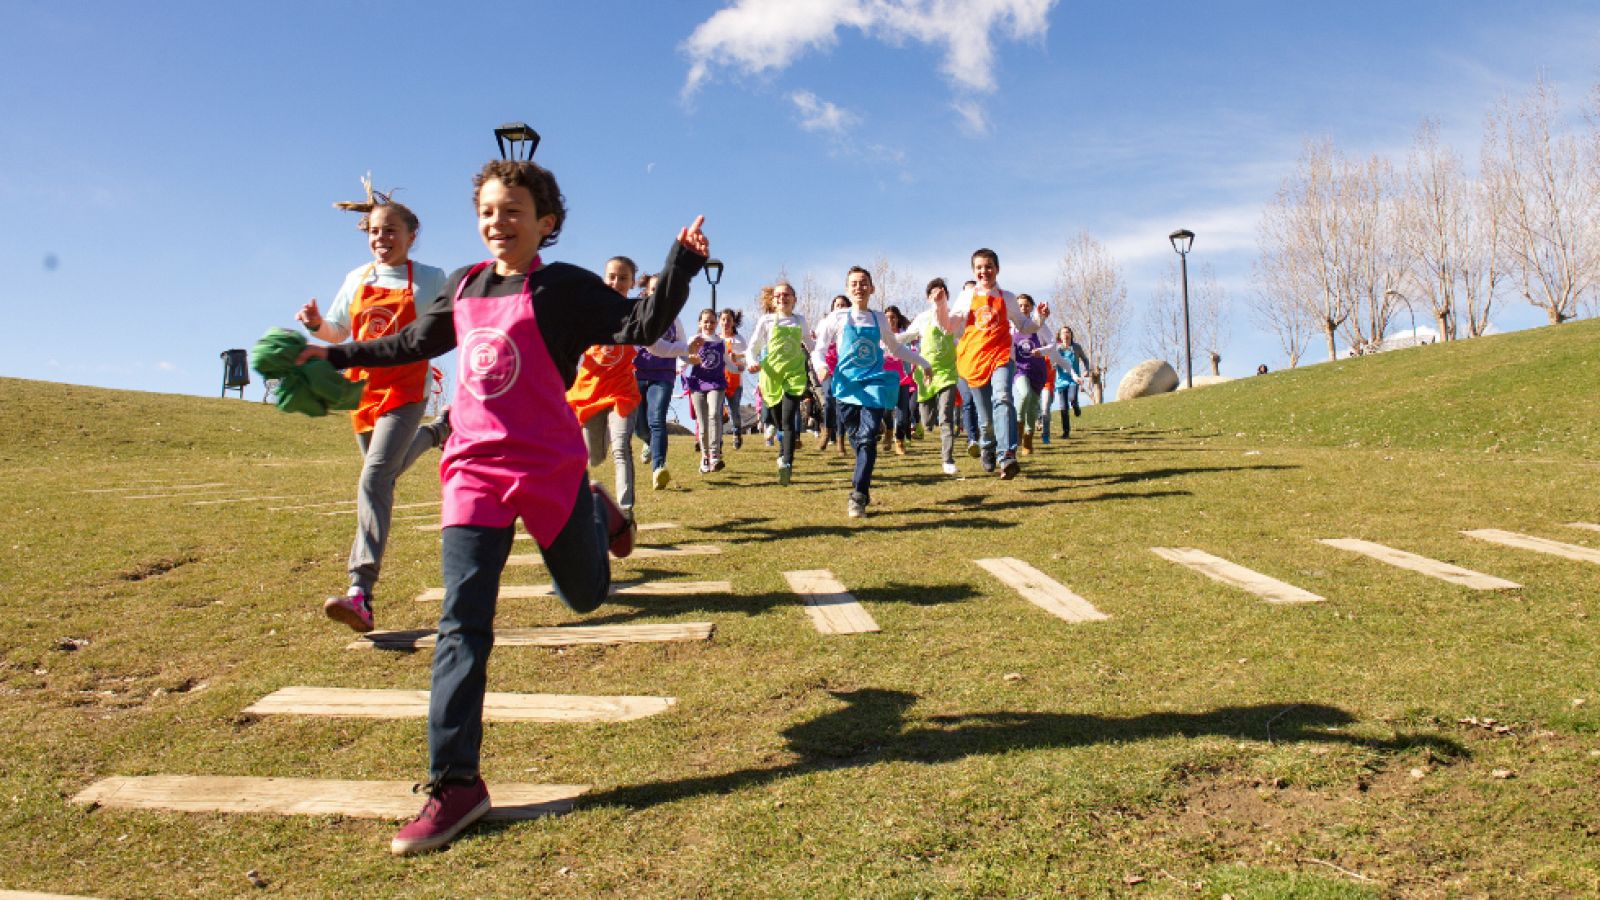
{"x":511,"y":226}
{"x":618,"y":277}
{"x":859,"y":287}
{"x":985,"y":269}
{"x":389,"y":236}
{"x":708,"y":322}
{"x":726,"y":323}
{"x":1025,"y":303}
{"x":783,"y":298}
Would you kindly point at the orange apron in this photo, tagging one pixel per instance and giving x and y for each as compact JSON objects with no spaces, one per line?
{"x":605,"y":379}
{"x":986,"y":343}
{"x":374,"y":313}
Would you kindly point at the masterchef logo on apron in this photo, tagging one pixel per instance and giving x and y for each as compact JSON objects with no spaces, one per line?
{"x":607,"y":356}
{"x":490,"y":363}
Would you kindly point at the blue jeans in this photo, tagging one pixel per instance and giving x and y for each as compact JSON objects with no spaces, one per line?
{"x":474,"y":558}
{"x":651,"y":422}
{"x":862,"y":423}
{"x":997,"y":415}
{"x":1064,"y":403}
{"x":969,"y":411}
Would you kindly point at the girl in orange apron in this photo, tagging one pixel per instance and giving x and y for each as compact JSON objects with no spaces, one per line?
{"x":605,"y":395}
{"x":375,"y":300}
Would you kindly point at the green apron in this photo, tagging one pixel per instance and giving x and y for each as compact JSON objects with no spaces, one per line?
{"x":783,"y":369}
{"x":939,"y":349}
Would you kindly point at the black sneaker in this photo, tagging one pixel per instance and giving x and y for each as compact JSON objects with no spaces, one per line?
{"x":987,"y":459}
{"x":1008,"y":467}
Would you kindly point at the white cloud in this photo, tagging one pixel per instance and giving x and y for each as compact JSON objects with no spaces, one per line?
{"x":817,"y":114}
{"x":756,"y":37}
{"x":164,"y":366}
{"x":973,"y":120}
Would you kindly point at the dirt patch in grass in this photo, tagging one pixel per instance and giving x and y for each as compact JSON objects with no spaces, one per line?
{"x":156,"y":568}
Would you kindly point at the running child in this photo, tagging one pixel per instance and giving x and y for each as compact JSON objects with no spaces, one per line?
{"x":778,"y":349}
{"x":982,"y":320}
{"x":706,"y":377}
{"x":376,"y":299}
{"x":937,"y":392}
{"x":728,"y":322}
{"x":605,"y":395}
{"x":866,"y":392}
{"x":1070,"y":369}
{"x":1026,"y":350}
{"x":897,"y":426}
{"x":655,"y":367}
{"x":517,"y":450}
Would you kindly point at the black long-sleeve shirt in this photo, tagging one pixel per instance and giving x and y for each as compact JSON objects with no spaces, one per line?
{"x":575,"y":309}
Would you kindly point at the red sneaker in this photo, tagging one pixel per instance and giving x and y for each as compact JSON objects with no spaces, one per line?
{"x":353,"y":609}
{"x":449,"y":810}
{"x":620,"y":527}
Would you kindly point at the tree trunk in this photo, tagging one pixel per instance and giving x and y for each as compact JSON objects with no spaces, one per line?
{"x":1328,"y":329}
{"x":1216,"y":363}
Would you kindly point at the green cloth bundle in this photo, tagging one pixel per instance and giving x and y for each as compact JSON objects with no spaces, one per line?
{"x":313,"y":387}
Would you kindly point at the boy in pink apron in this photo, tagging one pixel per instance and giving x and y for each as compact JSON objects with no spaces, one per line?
{"x":516,"y":450}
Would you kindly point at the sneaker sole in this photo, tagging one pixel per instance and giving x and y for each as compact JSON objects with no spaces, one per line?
{"x":407,"y":848}
{"x":661,"y":479}
{"x":346,"y":616}
{"x":1009,"y":471}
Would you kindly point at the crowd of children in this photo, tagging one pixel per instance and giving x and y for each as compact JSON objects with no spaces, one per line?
{"x":559,"y":368}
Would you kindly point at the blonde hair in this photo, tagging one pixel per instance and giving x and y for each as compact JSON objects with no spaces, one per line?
{"x":764,"y":299}
{"x":378,"y":200}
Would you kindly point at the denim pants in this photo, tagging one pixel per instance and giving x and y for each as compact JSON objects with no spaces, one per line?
{"x":862,"y":423}
{"x":650,"y":419}
{"x":969,"y":411}
{"x":473,"y":559}
{"x":997,"y":415}
{"x":1064,"y":403}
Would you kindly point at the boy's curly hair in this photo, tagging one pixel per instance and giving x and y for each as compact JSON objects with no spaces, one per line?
{"x":538,"y":181}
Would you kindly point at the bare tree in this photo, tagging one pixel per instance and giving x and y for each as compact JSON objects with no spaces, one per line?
{"x":1482,"y":265}
{"x":811,"y":300}
{"x":1091,"y":297}
{"x":1434,"y":225}
{"x":1371,"y":263}
{"x":1278,"y":306}
{"x":893,"y":286}
{"x":1164,"y":335}
{"x":1300,"y":233}
{"x":1545,"y":185}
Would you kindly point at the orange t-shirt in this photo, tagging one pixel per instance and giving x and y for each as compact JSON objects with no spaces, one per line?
{"x":986,"y":343}
{"x":605,"y":379}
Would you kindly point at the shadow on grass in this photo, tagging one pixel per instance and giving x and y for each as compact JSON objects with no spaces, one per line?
{"x":872,"y":728}
{"x":1155,"y":474}
{"x":747,"y":529}
{"x":756,"y":604}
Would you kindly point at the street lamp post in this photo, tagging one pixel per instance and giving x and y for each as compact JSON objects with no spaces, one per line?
{"x":713,"y":275}
{"x":1182,"y":240}
{"x":511,"y":136}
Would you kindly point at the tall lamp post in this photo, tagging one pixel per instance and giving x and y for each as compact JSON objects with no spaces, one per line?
{"x":511,"y":137}
{"x":713,"y":275}
{"x":1182,"y":240}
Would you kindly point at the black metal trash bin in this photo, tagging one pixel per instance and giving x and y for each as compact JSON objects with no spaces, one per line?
{"x":235,"y":371}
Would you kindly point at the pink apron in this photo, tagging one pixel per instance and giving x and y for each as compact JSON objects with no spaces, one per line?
{"x":515,"y":448}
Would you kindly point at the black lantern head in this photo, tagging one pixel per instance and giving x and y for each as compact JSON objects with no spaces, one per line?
{"x":514,"y":138}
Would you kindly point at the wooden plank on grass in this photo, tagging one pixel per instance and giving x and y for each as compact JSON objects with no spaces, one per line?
{"x":524,"y":536}
{"x":235,"y":500}
{"x":342,"y":512}
{"x":618,"y":589}
{"x":534,"y":559}
{"x":1432,"y":567}
{"x":365,"y":703}
{"x":1041,"y":590}
{"x":1218,"y":569}
{"x":35,"y":895}
{"x":1587,"y":526}
{"x":155,"y":487}
{"x":1536,"y":544}
{"x":310,"y":797}
{"x":832,"y":609}
{"x":556,"y":636}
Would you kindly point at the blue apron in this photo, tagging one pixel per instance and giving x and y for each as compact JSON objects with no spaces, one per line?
{"x":860,"y":378}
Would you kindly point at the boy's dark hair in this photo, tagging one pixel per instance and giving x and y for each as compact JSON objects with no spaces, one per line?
{"x":1029,"y":298}
{"x":633,"y":268}
{"x":855,"y":269}
{"x":936,"y":283}
{"x":538,"y":181}
{"x":375,"y":200}
{"x":987,"y":254}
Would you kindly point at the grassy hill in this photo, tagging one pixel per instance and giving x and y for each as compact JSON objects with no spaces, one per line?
{"x":1199,"y":742}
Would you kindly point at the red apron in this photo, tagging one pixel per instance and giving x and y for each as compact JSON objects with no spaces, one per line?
{"x":515,"y":448}
{"x":374,"y":313}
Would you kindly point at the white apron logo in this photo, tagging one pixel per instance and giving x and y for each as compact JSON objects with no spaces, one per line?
{"x":606,"y":356}
{"x":375,"y":322}
{"x":490,"y":363}
{"x":864,"y":351}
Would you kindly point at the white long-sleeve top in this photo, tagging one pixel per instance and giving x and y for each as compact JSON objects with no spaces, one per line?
{"x":764,"y":328}
{"x":956,"y":321}
{"x":671,"y":349}
{"x":831,"y":332}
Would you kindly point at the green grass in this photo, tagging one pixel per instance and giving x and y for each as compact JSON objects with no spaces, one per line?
{"x":1200,"y":742}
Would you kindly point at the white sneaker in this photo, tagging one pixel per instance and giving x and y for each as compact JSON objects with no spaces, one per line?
{"x":644,"y":455}
{"x":950,"y":469}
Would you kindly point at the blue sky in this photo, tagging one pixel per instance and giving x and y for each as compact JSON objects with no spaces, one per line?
{"x":166,"y":170}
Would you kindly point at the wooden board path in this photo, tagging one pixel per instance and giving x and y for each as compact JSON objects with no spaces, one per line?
{"x":36,"y":895}
{"x":524,"y":536}
{"x":832,"y":609}
{"x":618,"y":589}
{"x":365,"y":703}
{"x":343,"y":512}
{"x":1536,"y":544}
{"x":235,"y":500}
{"x":534,"y":559}
{"x":1041,"y":590}
{"x":155,"y":487}
{"x":1218,"y":569}
{"x":557,"y":636}
{"x":1432,"y":567}
{"x":1587,"y":526}
{"x":310,"y":797}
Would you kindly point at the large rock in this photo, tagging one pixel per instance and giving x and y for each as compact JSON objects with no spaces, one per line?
{"x":1151,"y":377}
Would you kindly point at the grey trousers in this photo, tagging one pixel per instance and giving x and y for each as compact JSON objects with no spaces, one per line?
{"x":942,"y":410}
{"x":608,"y":430}
{"x":708,"y":417}
{"x":387,"y":450}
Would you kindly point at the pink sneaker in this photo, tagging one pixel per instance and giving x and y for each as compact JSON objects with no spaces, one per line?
{"x":353,"y":609}
{"x":448,"y":812}
{"x":620,"y":527}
